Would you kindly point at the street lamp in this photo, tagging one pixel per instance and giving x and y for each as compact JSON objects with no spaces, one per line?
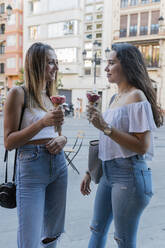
{"x":96,"y":60}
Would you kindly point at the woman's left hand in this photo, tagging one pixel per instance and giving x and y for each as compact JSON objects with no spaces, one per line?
{"x":55,"y":145}
{"x":95,"y":116}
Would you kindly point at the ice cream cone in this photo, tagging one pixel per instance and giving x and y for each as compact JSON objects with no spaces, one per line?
{"x":57,"y":101}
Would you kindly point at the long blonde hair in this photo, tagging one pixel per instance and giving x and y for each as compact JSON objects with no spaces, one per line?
{"x":35,"y":67}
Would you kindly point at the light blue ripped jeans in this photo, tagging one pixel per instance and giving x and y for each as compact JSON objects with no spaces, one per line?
{"x":41,"y":183}
{"x":125,"y":189}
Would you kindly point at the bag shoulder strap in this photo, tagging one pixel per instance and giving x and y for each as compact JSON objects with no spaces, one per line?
{"x":6,"y":151}
{"x":112,"y":99}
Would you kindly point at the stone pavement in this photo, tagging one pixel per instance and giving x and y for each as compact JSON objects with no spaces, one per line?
{"x":79,"y":208}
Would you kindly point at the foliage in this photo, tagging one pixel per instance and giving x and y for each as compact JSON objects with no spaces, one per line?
{"x":20,"y":80}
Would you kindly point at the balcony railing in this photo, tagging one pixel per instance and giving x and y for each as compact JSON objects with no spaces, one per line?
{"x":154,"y":30}
{"x":152,"y":64}
{"x":143,"y":30}
{"x":123,"y":33}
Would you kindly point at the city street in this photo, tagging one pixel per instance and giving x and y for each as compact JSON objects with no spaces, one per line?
{"x":79,"y":208}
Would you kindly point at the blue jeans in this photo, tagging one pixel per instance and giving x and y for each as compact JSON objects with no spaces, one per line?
{"x":41,"y":183}
{"x":125,"y":189}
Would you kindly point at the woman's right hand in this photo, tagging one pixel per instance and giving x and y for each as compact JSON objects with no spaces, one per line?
{"x":53,"y":118}
{"x":85,"y":185}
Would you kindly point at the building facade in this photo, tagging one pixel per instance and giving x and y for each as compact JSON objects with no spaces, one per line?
{"x":70,"y":27}
{"x":11,"y":44}
{"x":141,"y":22}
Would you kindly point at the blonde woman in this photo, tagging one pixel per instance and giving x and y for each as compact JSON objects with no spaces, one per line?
{"x":41,"y":175}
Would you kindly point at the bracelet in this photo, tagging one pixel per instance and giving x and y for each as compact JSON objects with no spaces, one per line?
{"x":88,"y":173}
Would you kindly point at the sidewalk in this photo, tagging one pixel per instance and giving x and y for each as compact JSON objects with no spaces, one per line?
{"x":79,"y":208}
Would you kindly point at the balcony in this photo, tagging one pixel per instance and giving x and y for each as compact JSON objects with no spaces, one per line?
{"x":123,"y":33}
{"x":155,"y":29}
{"x":143,"y":30}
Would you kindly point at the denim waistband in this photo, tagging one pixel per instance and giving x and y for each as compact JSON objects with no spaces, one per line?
{"x":32,"y":147}
{"x":136,"y":161}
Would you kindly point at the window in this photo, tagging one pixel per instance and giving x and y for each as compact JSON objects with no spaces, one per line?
{"x":143,"y":30}
{"x":55,"y":5}
{"x":134,"y":2}
{"x":89,"y":54}
{"x":144,"y":1}
{"x":88,"y":36}
{"x":98,"y":52}
{"x":11,"y":63}
{"x":2,"y":28}
{"x":2,"y":8}
{"x":133,"y":30}
{"x":99,"y":7}
{"x":123,"y":26}
{"x":151,"y":55}
{"x":99,"y":26}
{"x":154,"y":28}
{"x":124,"y":3}
{"x":89,"y":9}
{"x":62,"y":28}
{"x":133,"y":25}
{"x":2,"y":68}
{"x":11,"y":40}
{"x":99,"y":16}
{"x":70,"y":27}
{"x":144,"y":23}
{"x":87,"y":63}
{"x":155,"y":56}
{"x":87,"y":71}
{"x":154,"y":1}
{"x":89,"y":27}
{"x":11,"y":20}
{"x":88,"y":45}
{"x":154,"y":22}
{"x":67,"y":55}
{"x":98,"y":35}
{"x":2,"y":48}
{"x":34,"y":32}
{"x":145,"y":51}
{"x":90,"y":1}
{"x":88,"y":17}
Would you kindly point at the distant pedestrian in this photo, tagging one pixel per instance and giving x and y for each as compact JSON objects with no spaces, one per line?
{"x":77,"y":108}
{"x":126,"y":141}
{"x":41,"y":176}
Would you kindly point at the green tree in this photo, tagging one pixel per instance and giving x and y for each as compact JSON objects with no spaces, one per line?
{"x":20,"y":80}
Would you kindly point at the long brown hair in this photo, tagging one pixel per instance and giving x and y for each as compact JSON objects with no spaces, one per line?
{"x":35,"y":67}
{"x":136,"y":73}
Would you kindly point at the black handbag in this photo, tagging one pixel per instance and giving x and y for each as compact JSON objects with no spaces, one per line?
{"x":94,"y":163}
{"x":8,"y":189}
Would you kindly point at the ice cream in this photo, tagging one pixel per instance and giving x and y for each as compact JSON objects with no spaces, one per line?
{"x":92,"y":98}
{"x":57,"y":101}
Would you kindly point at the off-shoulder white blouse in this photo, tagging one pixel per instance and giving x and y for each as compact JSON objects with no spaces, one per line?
{"x":131,"y":118}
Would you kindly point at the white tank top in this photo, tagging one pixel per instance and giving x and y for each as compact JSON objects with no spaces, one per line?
{"x":33,"y":115}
